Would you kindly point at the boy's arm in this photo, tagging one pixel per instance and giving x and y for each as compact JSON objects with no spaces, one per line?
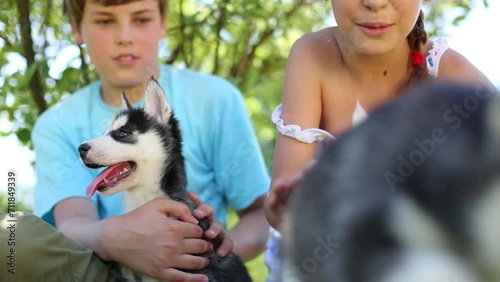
{"x":251,"y":233}
{"x":153,"y":247}
{"x":238,"y":160}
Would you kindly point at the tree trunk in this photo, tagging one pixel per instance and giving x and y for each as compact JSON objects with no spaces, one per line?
{"x":29,"y":54}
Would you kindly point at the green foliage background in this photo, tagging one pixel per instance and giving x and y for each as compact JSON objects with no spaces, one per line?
{"x":245,"y":41}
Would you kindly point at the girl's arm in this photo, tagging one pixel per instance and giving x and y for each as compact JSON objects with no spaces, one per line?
{"x":301,"y":106}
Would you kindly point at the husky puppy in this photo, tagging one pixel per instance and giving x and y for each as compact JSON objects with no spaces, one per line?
{"x":143,"y":152}
{"x":410,"y":195}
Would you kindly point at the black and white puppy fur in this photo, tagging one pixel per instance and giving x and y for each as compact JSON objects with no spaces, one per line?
{"x":410,"y":195}
{"x":145,"y":144}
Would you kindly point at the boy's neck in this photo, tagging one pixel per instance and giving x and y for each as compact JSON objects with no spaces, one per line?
{"x":111,"y":94}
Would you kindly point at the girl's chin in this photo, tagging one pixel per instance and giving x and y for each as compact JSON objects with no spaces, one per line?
{"x":375,"y":49}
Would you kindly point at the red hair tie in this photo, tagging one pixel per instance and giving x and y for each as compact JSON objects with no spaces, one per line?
{"x":417,"y":58}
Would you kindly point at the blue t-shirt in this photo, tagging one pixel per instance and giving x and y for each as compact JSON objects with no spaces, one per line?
{"x":224,"y":163}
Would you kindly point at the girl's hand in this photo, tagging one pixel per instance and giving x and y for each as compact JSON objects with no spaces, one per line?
{"x":281,"y":190}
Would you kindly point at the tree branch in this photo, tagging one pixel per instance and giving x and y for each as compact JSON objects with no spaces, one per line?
{"x":247,"y":58}
{"x":8,"y":44}
{"x":219,"y":26}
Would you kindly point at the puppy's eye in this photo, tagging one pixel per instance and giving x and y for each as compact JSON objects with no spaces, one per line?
{"x":123,"y":133}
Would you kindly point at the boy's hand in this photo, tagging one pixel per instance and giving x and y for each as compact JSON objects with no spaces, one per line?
{"x":216,"y":229}
{"x":151,"y":241}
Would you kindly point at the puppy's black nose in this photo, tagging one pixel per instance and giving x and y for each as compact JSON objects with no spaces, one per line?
{"x":83,"y":149}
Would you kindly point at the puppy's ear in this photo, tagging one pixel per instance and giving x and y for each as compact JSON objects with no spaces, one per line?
{"x":155,"y":102}
{"x":125,"y":102}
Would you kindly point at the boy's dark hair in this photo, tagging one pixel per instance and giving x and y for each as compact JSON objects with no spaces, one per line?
{"x":74,"y":8}
{"x":417,"y":39}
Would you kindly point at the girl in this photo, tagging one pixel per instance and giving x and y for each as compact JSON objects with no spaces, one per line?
{"x":337,"y":75}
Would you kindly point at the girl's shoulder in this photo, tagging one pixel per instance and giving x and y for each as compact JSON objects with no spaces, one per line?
{"x":322,"y":40}
{"x":318,"y":45}
{"x":454,"y":66}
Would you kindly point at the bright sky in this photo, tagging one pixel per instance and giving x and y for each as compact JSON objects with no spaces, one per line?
{"x":474,"y":39}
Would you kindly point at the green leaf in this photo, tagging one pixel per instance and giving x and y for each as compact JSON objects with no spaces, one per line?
{"x":5,"y":133}
{"x":24,"y":135}
{"x":458,"y":19}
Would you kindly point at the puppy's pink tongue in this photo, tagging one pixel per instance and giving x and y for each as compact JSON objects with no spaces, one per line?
{"x":106,"y":178}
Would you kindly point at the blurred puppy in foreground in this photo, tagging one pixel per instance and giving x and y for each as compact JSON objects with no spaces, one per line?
{"x":410,"y":195}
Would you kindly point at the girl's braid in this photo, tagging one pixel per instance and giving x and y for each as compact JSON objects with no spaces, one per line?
{"x":417,"y":39}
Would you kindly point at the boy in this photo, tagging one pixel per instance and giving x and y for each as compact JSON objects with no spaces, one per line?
{"x":223,"y":161}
